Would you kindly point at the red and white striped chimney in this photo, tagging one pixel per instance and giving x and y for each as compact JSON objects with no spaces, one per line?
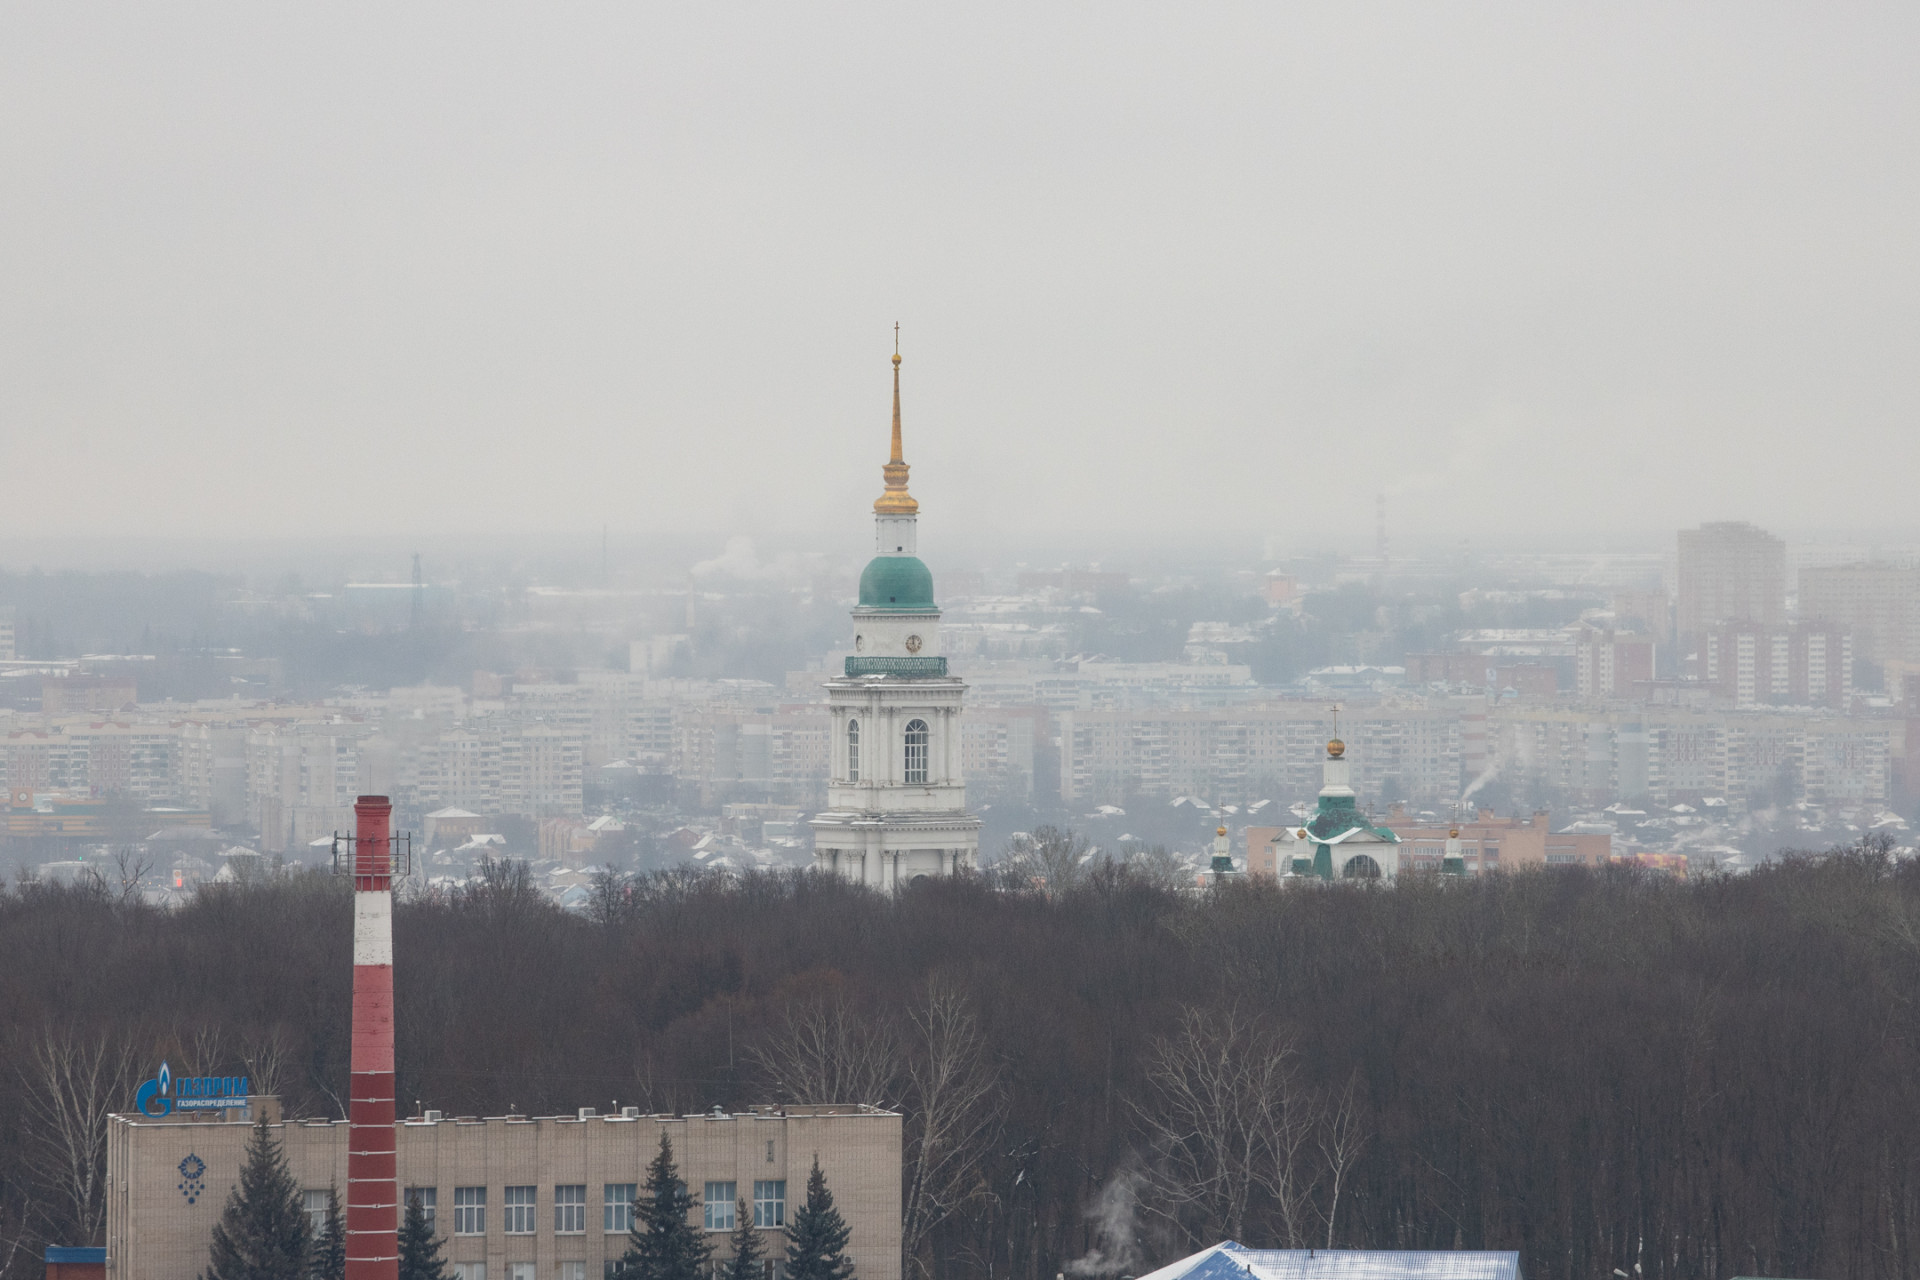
{"x":373,"y":1199}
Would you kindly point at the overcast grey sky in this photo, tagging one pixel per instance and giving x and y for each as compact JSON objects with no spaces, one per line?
{"x":274,"y":269}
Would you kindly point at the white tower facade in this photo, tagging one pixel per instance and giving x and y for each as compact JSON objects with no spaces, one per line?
{"x":896,"y":801}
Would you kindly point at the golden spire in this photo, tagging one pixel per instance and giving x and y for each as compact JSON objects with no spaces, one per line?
{"x":896,"y":501}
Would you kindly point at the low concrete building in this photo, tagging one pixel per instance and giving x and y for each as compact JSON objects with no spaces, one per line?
{"x":519,"y":1197}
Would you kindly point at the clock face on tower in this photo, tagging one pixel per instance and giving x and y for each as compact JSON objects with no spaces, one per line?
{"x":913,"y":644}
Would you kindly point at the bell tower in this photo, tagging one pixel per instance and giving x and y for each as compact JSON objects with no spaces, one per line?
{"x":896,"y":798}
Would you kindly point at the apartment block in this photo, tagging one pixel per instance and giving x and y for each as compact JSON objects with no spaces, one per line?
{"x":1492,"y":843}
{"x":301,"y":781}
{"x":1806,"y":664}
{"x":779,"y":755}
{"x":997,"y":747}
{"x":149,"y":763}
{"x":1245,"y":753}
{"x":1878,"y":604}
{"x":1607,"y":663}
{"x":1676,"y":754}
{"x":1729,"y":572}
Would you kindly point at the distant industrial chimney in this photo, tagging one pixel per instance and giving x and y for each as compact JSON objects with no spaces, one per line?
{"x":373,"y":1199}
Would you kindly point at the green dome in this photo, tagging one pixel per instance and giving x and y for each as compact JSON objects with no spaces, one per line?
{"x":896,"y":582}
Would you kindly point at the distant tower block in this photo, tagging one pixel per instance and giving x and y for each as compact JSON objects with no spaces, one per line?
{"x":896,"y":801}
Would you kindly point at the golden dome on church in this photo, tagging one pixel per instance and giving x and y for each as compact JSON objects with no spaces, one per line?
{"x":1336,"y":748}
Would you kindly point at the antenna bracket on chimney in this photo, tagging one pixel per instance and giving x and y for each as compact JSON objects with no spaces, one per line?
{"x":399,"y":850}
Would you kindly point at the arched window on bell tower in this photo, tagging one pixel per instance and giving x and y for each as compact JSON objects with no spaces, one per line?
{"x":853,"y":751}
{"x":917,"y":752}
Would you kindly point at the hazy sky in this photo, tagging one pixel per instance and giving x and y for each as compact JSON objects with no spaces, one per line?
{"x":276,"y":269}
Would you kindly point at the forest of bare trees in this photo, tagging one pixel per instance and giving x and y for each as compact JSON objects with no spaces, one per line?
{"x":1601,"y":1070}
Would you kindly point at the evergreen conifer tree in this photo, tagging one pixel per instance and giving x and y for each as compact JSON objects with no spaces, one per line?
{"x":262,"y":1233}
{"x":664,"y":1244}
{"x":748,"y":1253}
{"x":330,"y":1246}
{"x":419,"y":1248}
{"x":817,"y":1236}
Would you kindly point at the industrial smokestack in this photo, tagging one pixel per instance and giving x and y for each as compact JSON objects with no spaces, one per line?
{"x":373,"y":1200}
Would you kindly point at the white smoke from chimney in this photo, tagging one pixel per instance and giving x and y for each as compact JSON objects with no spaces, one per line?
{"x":1487,"y":775}
{"x":1115,"y":1217}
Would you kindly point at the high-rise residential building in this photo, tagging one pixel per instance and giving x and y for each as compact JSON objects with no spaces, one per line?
{"x":1878,"y":603}
{"x":1730,"y":571}
{"x":1607,"y":663}
{"x":896,"y":789}
{"x":1648,"y":613}
{"x":1808,"y":664}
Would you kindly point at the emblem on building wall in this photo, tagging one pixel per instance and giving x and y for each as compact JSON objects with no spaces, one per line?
{"x":193,"y":1177}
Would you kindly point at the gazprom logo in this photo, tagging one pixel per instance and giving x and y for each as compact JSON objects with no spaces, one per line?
{"x":163,"y":1095}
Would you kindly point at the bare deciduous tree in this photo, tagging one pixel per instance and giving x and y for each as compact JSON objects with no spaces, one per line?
{"x":266,"y":1057}
{"x":71,"y":1084}
{"x":1340,"y":1139}
{"x":829,"y":1053}
{"x":1051,"y":858}
{"x":204,"y":1050}
{"x":1228,"y":1118}
{"x":955,"y":1107}
{"x":1156,"y":865}
{"x":132,"y":863}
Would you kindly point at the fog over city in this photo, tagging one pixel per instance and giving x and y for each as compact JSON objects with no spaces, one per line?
{"x":1146,"y":641}
{"x":1546,"y":275}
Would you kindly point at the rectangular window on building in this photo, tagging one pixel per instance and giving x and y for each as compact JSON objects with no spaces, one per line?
{"x":619,"y":1206}
{"x":720,"y":1206}
{"x":770,"y":1204}
{"x":517,"y":1204}
{"x":469,"y":1271}
{"x":315,"y":1203}
{"x":429,"y":1198}
{"x":613,"y":1269}
{"x":569,"y":1211}
{"x":470,"y":1212}
{"x":573,"y":1271}
{"x":519,"y":1271}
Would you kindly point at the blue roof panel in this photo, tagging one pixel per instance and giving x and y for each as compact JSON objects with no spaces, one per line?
{"x":58,"y":1253}
{"x":1230,"y":1261}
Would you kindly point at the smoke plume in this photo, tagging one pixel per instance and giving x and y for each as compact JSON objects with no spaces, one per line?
{"x":1487,"y":775}
{"x":1114,"y":1214}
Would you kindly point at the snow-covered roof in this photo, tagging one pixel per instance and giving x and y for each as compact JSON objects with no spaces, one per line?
{"x":452,"y":813}
{"x":1231,"y":1261}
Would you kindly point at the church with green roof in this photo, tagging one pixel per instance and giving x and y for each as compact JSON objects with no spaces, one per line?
{"x":1338,"y":842}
